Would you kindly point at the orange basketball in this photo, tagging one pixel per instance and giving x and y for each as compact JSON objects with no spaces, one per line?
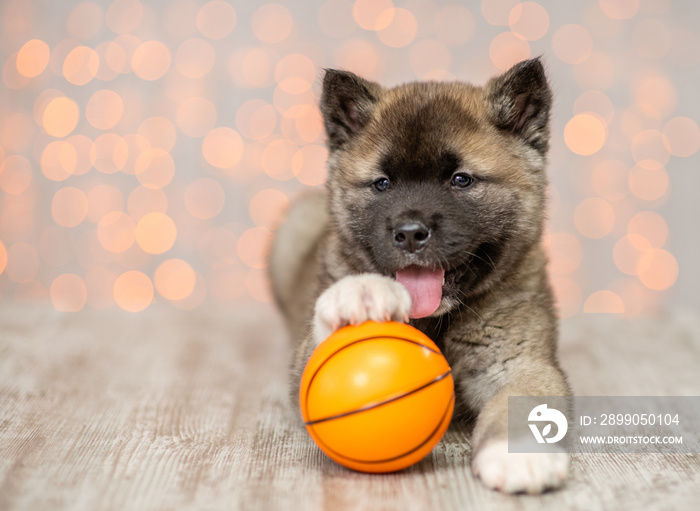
{"x":377,"y":397}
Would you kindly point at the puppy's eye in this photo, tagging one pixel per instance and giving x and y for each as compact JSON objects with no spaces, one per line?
{"x":461,"y":180}
{"x":381,"y":184}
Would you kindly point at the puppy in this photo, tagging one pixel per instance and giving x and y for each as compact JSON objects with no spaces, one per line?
{"x":433,"y":214}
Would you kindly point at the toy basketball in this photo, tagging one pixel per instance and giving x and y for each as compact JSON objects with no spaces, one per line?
{"x":377,"y":397}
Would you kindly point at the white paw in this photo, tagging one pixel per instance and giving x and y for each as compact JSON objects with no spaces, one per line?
{"x":519,"y":472}
{"x":359,"y":298}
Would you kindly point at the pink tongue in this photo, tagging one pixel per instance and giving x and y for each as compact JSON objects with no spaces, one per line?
{"x":425,"y":287}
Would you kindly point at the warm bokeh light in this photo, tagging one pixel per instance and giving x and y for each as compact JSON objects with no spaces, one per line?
{"x":104,"y":109}
{"x":22,"y":262}
{"x":655,"y":94}
{"x":335,"y":18}
{"x":373,"y":14}
{"x":628,"y":252}
{"x":68,"y":293}
{"x":204,"y":198}
{"x":3,"y":257}
{"x":194,"y":58}
{"x":595,"y":102}
{"x":572,"y":43}
{"x":133,"y":291}
{"x":196,"y":117}
{"x":159,"y":131}
{"x":156,"y":233}
{"x":222,"y":148}
{"x":682,"y":136}
{"x":151,"y":60}
{"x":610,"y":179}
{"x":256,"y":119}
{"x":604,"y":301}
{"x":360,"y":56}
{"x":276,"y":159}
{"x":253,"y":245}
{"x":216,"y":19}
{"x":267,"y":207}
{"x":585,"y":134}
{"x":594,"y":217}
{"x":103,"y":199}
{"x":597,"y":72}
{"x":650,"y":148}
{"x":69,"y":206}
{"x":33,"y":58}
{"x":564,"y":251}
{"x":111,"y":153}
{"x":507,"y":49}
{"x":85,"y":20}
{"x":402,"y":29}
{"x":454,"y":25}
{"x":651,"y":226}
{"x":154,"y":168}
{"x":309,"y":164}
{"x":174,"y":279}
{"x":15,"y":174}
{"x":529,"y":20}
{"x":116,"y":232}
{"x":123,"y":16}
{"x":497,"y":12}
{"x":60,"y":117}
{"x":85,"y":155}
{"x":272,"y":23}
{"x":143,"y":200}
{"x":658,"y":269}
{"x":81,"y":65}
{"x":619,"y":9}
{"x":648,"y":182}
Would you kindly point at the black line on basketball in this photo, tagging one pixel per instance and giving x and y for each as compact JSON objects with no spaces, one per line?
{"x":412,"y":450}
{"x":306,"y":398}
{"x":380,"y":403}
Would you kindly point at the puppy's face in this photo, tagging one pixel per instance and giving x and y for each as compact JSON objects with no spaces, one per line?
{"x":438,"y":185}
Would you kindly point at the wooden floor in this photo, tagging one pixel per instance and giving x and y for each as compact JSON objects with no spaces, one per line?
{"x":188,"y":410}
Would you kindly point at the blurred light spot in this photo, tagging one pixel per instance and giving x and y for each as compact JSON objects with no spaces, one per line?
{"x":619,"y":9}
{"x":638,"y":299}
{"x":15,"y":174}
{"x":138,"y":145}
{"x":204,"y":198}
{"x":216,"y":19}
{"x":81,"y":65}
{"x":59,"y":160}
{"x":69,"y":206}
{"x":276,"y":159}
{"x":226,"y":284}
{"x":22,"y":262}
{"x":60,"y":117}
{"x":564,"y":252}
{"x":251,"y":68}
{"x":151,"y":60}
{"x":155,"y":168}
{"x":33,"y":58}
{"x":402,"y":29}
{"x":649,"y":148}
{"x":258,"y":285}
{"x":597,"y":103}
{"x":159,"y":131}
{"x":59,"y":52}
{"x":253,"y":245}
{"x":658,"y":269}
{"x":102,"y":199}
{"x":111,"y":153}
{"x":174,"y":279}
{"x":222,"y":148}
{"x":306,"y":121}
{"x":272,"y":23}
{"x":104,"y":109}
{"x":180,"y":18}
{"x":628,"y":251}
{"x":267,"y":206}
{"x":651,"y":226}
{"x":290,"y":104}
{"x":359,"y":56}
{"x":133,"y":291}
{"x":17,"y":216}
{"x":217,"y":247}
{"x":610,"y":179}
{"x":585,"y":134}
{"x":454,"y":25}
{"x":594,"y":217}
{"x":68,"y":293}
{"x":336,"y":19}
{"x":144,"y":200}
{"x":11,"y":77}
{"x":572,"y":43}
{"x":648,"y":183}
{"x":567,"y":295}
{"x":682,"y":136}
{"x":507,"y":49}
{"x":373,"y":14}
{"x":196,"y":297}
{"x":605,"y":302}
{"x":112,"y":60}
{"x":99,"y":282}
{"x":529,"y":20}
{"x":496,"y":12}
{"x":655,"y":95}
{"x":85,"y":21}
{"x":124,"y":15}
{"x":194,"y":58}
{"x":295,"y":73}
{"x":596,"y":72}
{"x":42,"y":101}
{"x":196,"y":117}
{"x":256,"y":119}
{"x":652,"y":39}
{"x":116,"y":232}
{"x":18,"y":133}
{"x":155,"y":233}
{"x":429,"y":59}
{"x":3,"y":257}
{"x":129,"y":43}
{"x":309,"y":164}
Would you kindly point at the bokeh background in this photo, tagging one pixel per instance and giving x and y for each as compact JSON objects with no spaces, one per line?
{"x":148,"y":148}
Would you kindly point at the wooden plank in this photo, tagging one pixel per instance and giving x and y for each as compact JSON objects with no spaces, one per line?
{"x":189,"y":410}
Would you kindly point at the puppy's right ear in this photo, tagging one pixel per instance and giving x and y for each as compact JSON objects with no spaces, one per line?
{"x":347,"y":103}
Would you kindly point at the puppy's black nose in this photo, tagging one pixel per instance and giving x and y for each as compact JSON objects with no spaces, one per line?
{"x":411,"y":236}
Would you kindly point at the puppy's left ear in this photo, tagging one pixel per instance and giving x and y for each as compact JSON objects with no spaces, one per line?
{"x":520,"y":101}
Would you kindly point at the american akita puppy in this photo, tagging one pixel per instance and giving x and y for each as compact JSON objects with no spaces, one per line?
{"x":433,"y":214}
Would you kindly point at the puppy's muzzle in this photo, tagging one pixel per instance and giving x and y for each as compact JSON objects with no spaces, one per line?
{"x":411,"y":236}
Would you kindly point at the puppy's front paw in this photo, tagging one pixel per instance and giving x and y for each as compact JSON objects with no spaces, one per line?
{"x":359,"y":298}
{"x":519,"y":472}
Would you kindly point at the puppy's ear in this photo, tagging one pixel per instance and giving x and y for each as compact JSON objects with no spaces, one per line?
{"x":347,"y":103}
{"x":520,"y":101}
